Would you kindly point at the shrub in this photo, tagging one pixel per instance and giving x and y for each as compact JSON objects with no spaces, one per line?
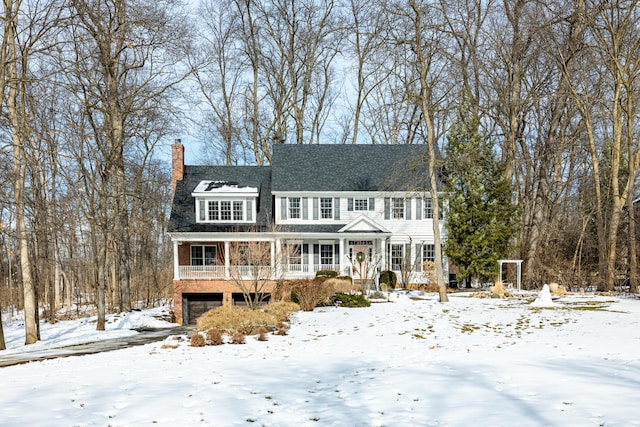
{"x":429,"y":269}
{"x":327,"y":274}
{"x":311,"y":293}
{"x":341,"y":285}
{"x":238,"y":338}
{"x":282,"y":328}
{"x":281,"y":311}
{"x":497,"y":289}
{"x":389,"y":278}
{"x":351,"y":301}
{"x":347,"y":278}
{"x":197,"y":340}
{"x":214,"y":337}
{"x":230,"y":319}
{"x":377,"y":295}
{"x":262,"y":333}
{"x":282,"y":290}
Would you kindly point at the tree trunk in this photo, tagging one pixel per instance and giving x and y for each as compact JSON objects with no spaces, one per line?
{"x":633,"y":249}
{"x":19,"y":176}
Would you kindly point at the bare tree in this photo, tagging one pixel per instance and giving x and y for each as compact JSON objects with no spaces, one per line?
{"x":126,"y":62}
{"x":419,"y":29}
{"x":605,"y":92}
{"x":256,"y":266}
{"x":219,"y":74}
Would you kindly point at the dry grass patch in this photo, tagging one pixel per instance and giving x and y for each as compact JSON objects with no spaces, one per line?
{"x":342,"y":285}
{"x":197,"y":340}
{"x":232,"y":319}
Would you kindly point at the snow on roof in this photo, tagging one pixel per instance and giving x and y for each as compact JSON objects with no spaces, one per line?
{"x":223,"y":187}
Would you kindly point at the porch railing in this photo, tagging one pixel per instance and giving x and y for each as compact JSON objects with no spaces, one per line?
{"x":201,"y":272}
{"x":218,"y":272}
{"x":204,"y":272}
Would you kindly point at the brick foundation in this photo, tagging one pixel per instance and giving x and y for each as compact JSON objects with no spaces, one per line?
{"x":225,"y":287}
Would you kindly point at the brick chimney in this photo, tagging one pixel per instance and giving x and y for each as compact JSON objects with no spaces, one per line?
{"x":177,"y":163}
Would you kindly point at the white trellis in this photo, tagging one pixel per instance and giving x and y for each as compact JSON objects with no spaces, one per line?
{"x":518,"y":263}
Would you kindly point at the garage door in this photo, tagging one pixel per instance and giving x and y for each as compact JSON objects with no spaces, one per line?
{"x":195,"y":305}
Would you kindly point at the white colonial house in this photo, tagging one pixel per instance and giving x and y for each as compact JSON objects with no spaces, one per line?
{"x":354,"y":209}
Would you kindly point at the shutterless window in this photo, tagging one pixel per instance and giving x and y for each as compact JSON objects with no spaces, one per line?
{"x":294,"y":207}
{"x":326,"y":207}
{"x":214,"y":211}
{"x":361,"y":204}
{"x":203,"y":255}
{"x":397,"y":208}
{"x":225,"y":211}
{"x":238,"y":211}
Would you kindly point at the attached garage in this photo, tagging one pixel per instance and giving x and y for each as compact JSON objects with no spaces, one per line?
{"x":196,"y":304}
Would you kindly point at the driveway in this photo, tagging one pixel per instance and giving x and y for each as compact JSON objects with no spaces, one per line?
{"x":145,"y":336}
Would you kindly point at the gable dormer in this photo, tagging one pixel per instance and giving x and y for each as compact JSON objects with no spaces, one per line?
{"x":225,"y":202}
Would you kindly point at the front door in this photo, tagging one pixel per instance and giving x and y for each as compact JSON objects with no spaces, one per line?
{"x":360,"y":253}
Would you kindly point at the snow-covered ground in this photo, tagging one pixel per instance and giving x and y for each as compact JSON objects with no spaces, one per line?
{"x":470,"y":362}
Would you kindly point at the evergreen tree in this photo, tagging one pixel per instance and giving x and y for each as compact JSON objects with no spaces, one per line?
{"x":482,"y":217}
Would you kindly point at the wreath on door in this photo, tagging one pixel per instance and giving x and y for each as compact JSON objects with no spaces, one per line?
{"x":360,"y":257}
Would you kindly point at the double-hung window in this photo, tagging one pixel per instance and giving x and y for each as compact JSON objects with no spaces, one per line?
{"x":360,"y":204}
{"x":203,"y":255}
{"x":238,"y":211}
{"x":428,"y":253}
{"x":294,"y":207}
{"x":225,"y":210}
{"x":428,"y":209}
{"x":326,"y":256}
{"x":397,"y":208}
{"x":326,"y":208}
{"x":214,"y":210}
{"x":397,"y":256}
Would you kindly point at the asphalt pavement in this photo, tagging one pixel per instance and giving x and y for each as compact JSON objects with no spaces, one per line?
{"x":145,"y":336}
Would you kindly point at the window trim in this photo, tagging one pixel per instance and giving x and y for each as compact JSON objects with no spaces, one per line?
{"x":225,"y":210}
{"x":213,"y":260}
{"x":326,"y":212}
{"x":291,"y":209}
{"x":397,"y":208}
{"x":393,"y":255}
{"x":361,"y":204}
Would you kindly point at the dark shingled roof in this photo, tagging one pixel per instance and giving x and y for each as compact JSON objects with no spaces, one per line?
{"x":349,"y":167}
{"x":330,"y":168}
{"x":183,"y":210}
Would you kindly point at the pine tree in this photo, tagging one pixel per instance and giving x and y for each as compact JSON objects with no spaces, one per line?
{"x":482,"y":217}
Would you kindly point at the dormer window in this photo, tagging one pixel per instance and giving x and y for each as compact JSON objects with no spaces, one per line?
{"x":222,"y":201}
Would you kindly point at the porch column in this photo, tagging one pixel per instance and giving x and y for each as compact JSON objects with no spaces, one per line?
{"x":227,"y":260}
{"x":279,"y":260}
{"x":274,"y":250}
{"x":176,"y":267}
{"x":341,"y":255}
{"x":383,"y":254}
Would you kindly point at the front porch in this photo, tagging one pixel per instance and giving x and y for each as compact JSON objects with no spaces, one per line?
{"x":277,"y":259}
{"x":286,"y":259}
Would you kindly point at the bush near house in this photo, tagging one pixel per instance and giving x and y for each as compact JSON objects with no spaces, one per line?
{"x":342,"y":285}
{"x":312,"y":292}
{"x":232,"y":319}
{"x":388,"y":278}
{"x":351,"y":300}
{"x":326,"y":273}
